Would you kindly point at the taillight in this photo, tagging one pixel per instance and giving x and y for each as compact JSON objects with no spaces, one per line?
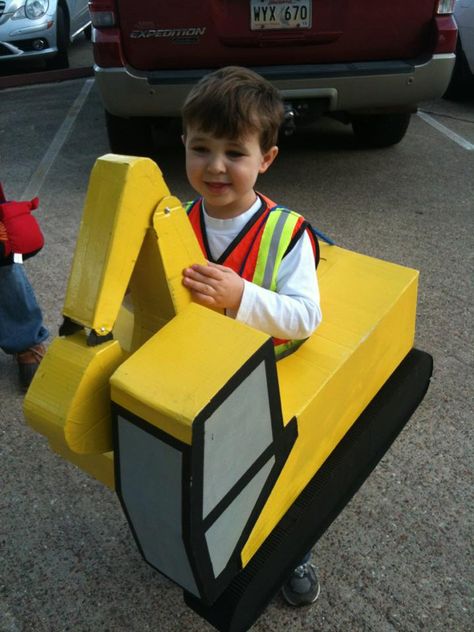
{"x":446,"y":34}
{"x":107,"y":45}
{"x":103,"y":13}
{"x":445,"y":7}
{"x":102,"y":19}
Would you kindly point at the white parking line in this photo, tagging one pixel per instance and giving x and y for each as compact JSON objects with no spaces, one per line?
{"x":58,"y":141}
{"x":446,"y":131}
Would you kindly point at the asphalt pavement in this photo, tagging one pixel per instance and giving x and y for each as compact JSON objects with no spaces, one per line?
{"x":399,"y":557}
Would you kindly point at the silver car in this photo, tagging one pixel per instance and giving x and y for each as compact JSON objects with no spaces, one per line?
{"x":41,"y":29}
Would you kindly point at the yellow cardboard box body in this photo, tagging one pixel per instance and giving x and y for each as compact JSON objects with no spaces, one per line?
{"x":174,"y":360}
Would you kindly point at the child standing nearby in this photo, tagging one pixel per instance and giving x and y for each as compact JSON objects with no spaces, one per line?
{"x":261,"y":257}
{"x":22,"y":332}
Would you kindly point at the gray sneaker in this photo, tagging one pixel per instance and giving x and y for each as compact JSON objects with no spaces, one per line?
{"x":302,"y":587}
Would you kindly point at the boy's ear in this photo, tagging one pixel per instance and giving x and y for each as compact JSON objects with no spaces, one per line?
{"x":267,"y":158}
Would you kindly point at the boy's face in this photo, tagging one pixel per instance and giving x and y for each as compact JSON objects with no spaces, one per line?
{"x":224,"y":171}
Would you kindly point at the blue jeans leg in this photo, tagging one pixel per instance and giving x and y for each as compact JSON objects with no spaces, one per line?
{"x":21,"y":321}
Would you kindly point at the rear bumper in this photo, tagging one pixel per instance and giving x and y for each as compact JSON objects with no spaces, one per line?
{"x":126,"y":92}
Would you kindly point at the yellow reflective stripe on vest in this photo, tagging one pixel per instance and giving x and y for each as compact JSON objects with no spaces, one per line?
{"x":287,"y":348}
{"x":276,"y":238}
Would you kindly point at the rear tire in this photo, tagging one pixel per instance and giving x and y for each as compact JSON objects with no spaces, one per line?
{"x":380,"y":130}
{"x":61,"y":59}
{"x":132,"y":136}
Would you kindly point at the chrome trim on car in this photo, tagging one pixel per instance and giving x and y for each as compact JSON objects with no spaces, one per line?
{"x":32,"y":29}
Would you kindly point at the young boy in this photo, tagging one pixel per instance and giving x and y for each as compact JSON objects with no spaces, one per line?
{"x":261,"y":258}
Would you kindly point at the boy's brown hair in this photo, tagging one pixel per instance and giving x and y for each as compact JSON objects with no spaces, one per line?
{"x":233,"y":102}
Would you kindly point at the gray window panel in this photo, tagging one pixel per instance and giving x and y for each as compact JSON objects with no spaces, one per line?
{"x":224,"y":534}
{"x":150,"y":475}
{"x":235,"y":435}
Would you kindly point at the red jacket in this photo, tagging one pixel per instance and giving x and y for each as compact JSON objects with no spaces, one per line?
{"x":19,"y":230}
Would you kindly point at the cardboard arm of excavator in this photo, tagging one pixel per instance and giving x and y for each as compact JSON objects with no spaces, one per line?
{"x":127,"y":205}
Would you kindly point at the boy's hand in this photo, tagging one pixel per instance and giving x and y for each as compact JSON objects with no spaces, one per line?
{"x":214,"y":285}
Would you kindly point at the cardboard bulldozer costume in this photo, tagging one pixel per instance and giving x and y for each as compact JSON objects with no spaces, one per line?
{"x":228,"y":465}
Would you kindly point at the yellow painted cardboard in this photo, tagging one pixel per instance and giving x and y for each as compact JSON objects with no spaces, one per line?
{"x":122,"y":196}
{"x":172,"y":356}
{"x":69,"y":398}
{"x":149,"y":301}
{"x":174,"y":375}
{"x":369,"y":309}
{"x":178,"y":247}
{"x":125,"y":326}
{"x":117,"y":247}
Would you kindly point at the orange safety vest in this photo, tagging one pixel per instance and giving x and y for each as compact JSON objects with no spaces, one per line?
{"x":258,"y":250}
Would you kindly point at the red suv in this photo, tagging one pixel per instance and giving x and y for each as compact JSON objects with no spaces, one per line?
{"x":366,"y":62}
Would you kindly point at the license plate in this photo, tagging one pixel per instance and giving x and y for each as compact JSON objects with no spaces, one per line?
{"x":283,"y":14}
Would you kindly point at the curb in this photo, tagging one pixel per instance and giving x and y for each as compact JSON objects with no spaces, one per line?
{"x":47,"y":76}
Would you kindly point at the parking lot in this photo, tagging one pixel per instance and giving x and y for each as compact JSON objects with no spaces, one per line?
{"x":399,"y":557}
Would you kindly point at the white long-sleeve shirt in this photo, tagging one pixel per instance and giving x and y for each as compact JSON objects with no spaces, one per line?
{"x":292,"y":312}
